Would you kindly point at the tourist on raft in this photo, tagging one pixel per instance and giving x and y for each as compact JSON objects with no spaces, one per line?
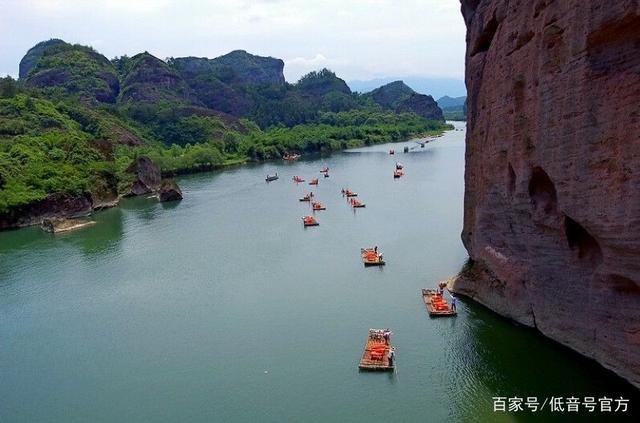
{"x":392,"y":356}
{"x":387,"y":336}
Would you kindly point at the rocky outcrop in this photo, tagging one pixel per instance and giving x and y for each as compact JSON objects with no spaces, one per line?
{"x":150,"y":80}
{"x":552,"y":198}
{"x":400,"y":98}
{"x":78,"y":70}
{"x":57,"y":225}
{"x":240,"y":67}
{"x":201,"y":74}
{"x":57,"y":205}
{"x":30,"y":59}
{"x":146,"y":176}
{"x":169,"y":191}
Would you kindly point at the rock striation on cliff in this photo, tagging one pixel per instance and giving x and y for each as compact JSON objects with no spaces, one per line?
{"x":552,"y":198}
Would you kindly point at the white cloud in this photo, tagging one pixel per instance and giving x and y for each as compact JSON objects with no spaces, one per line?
{"x":358,"y":39}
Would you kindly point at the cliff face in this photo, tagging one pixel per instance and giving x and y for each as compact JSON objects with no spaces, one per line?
{"x":202,"y":75}
{"x":150,"y":80}
{"x":552,"y":199}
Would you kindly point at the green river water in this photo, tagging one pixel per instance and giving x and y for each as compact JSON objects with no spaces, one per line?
{"x":223,"y":308}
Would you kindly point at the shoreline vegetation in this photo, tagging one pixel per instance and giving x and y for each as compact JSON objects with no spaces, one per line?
{"x":78,"y":131}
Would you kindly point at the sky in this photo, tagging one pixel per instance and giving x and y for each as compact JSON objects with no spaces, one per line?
{"x":357,"y":39}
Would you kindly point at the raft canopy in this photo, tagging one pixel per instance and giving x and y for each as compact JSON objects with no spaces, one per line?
{"x":375,"y":356}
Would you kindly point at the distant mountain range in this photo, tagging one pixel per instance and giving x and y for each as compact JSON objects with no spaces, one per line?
{"x":436,"y":87}
{"x":78,"y":131}
{"x":448,"y":102}
{"x":453,"y":108}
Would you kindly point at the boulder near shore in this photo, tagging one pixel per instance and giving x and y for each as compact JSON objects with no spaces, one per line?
{"x":169,"y":191}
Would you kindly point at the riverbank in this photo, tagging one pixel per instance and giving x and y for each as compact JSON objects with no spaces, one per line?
{"x":61,"y":205}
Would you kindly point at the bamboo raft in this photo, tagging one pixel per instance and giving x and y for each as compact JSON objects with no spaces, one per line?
{"x":370,"y":259}
{"x":369,"y":361}
{"x":429,"y":297}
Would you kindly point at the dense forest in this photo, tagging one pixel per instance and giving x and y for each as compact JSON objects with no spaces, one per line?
{"x":74,"y":121}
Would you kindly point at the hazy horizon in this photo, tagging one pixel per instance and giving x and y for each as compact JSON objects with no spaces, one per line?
{"x":361,"y":41}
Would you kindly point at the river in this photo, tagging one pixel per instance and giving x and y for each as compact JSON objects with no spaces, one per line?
{"x":224,"y":308}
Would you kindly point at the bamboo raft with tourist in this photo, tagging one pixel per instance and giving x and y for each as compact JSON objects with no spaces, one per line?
{"x":316,"y":205}
{"x":297,"y":179}
{"x":378,"y":354}
{"x":357,"y":204}
{"x":348,"y":193}
{"x":307,"y":197}
{"x":436,"y":305}
{"x":309,"y":221}
{"x":291,"y":157}
{"x":371,"y":257}
{"x":313,"y":181}
{"x":398,"y":173}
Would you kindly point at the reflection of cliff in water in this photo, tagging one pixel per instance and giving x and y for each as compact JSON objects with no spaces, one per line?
{"x":146,"y":207}
{"x":488,"y":356}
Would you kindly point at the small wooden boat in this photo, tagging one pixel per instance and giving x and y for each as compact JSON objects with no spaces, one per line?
{"x":270,"y":178}
{"x":398,"y":173}
{"x":309,"y":221}
{"x":392,"y":152}
{"x":370,"y":257}
{"x":326,"y":175}
{"x":436,"y":305}
{"x":313,"y":181}
{"x":291,"y":157}
{"x":357,"y":204}
{"x":406,"y":149}
{"x":317,"y":206}
{"x":307,"y":197}
{"x":297,"y":179}
{"x":376,"y":353}
{"x":324,"y":170}
{"x":399,"y":166}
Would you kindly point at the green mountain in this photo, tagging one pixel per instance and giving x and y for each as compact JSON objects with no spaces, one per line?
{"x":74,"y":122}
{"x":62,"y":69}
{"x":150,"y":80}
{"x":400,"y":98}
{"x":454,"y":108}
{"x":30,"y":59}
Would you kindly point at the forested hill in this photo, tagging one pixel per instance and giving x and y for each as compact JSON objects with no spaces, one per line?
{"x":75,"y":120}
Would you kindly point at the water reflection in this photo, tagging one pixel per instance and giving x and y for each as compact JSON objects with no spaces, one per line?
{"x":102,"y":238}
{"x":491,"y":356}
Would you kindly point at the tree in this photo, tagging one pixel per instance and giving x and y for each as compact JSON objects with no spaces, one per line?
{"x":8,"y":87}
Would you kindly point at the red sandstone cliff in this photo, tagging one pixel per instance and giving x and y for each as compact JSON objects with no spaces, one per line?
{"x":552,"y":199}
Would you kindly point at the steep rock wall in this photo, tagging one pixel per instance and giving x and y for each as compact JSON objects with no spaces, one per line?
{"x":552,"y":198}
